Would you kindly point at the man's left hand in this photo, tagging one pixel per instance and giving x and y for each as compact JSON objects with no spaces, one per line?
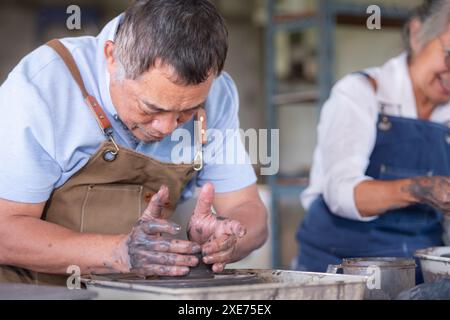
{"x":217,"y":235}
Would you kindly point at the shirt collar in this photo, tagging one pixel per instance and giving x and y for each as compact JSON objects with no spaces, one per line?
{"x":395,"y":88}
{"x":108,"y":33}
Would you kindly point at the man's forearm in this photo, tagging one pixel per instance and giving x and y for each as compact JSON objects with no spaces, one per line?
{"x":41,"y":246}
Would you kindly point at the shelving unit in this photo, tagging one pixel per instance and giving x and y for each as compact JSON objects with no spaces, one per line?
{"x":328,"y":14}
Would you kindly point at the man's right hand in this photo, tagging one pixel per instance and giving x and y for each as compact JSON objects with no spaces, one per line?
{"x":147,"y":252}
{"x":434,"y":191}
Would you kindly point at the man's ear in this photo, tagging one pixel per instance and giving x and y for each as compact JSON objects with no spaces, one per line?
{"x":109,"y":56}
{"x":414,"y":28}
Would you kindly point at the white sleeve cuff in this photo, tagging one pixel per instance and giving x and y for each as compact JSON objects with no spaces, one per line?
{"x":343,"y":203}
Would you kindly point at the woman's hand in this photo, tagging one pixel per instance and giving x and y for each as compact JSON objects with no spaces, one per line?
{"x":434,"y":191}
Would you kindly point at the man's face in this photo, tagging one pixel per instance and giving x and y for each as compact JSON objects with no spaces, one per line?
{"x":153,"y":105}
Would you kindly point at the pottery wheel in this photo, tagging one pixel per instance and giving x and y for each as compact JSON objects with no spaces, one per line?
{"x":223,"y":279}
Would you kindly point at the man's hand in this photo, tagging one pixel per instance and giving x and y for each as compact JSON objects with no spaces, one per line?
{"x":149,"y":253}
{"x":434,"y":191}
{"x":217,"y":235}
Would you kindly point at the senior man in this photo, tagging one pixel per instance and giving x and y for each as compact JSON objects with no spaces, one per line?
{"x":87,"y":176}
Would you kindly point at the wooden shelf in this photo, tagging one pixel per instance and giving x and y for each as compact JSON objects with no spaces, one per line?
{"x":353,"y":20}
{"x":344,"y":15}
{"x":291,"y":17}
{"x":292,"y":180}
{"x":307,"y":96}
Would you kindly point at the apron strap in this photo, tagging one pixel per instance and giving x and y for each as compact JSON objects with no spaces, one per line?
{"x":95,"y":107}
{"x":371,"y":79}
{"x":67,"y":57}
{"x":385,"y":124}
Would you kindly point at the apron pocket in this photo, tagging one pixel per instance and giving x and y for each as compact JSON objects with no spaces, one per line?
{"x":394,"y":173}
{"x":111,"y":208}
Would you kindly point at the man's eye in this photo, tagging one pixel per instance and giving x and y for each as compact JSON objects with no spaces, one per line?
{"x":186,"y":115}
{"x":192,"y":111}
{"x":146,"y":111}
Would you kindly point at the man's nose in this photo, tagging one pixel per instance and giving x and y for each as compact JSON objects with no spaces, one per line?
{"x":166,"y":123}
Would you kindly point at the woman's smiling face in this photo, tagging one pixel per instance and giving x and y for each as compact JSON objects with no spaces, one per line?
{"x":430,"y":68}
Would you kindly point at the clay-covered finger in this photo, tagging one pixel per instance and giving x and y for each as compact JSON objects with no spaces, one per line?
{"x":218,"y":267}
{"x":156,"y":204}
{"x":229,"y":226}
{"x":184,"y":247}
{"x":156,"y":226}
{"x":161,"y":270}
{"x":205,"y":200}
{"x":166,"y":258}
{"x":219,"y":257}
{"x":151,"y":243}
{"x":161,"y":244}
{"x":217,"y":244}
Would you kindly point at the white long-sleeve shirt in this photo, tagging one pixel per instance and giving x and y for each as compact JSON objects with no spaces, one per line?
{"x":347,"y":132}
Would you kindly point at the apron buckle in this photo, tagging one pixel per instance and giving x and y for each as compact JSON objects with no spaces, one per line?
{"x":385,"y":124}
{"x":111,"y":155}
{"x":198,"y":161}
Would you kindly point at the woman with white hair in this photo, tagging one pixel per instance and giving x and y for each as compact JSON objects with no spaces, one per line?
{"x":380,"y":184}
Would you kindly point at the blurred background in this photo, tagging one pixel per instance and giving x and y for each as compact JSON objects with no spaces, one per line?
{"x":284,"y":56}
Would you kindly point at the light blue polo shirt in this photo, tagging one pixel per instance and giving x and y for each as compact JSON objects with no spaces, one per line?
{"x":48,"y":133}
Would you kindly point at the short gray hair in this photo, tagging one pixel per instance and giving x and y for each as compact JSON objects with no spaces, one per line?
{"x":188,"y":35}
{"x":435,"y":18}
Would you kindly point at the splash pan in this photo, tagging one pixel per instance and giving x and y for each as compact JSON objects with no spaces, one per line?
{"x":234,"y":285}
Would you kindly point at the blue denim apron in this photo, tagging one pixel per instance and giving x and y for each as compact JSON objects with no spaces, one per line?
{"x":404,"y":148}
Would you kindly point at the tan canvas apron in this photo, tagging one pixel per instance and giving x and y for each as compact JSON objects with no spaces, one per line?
{"x":112,"y":190}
